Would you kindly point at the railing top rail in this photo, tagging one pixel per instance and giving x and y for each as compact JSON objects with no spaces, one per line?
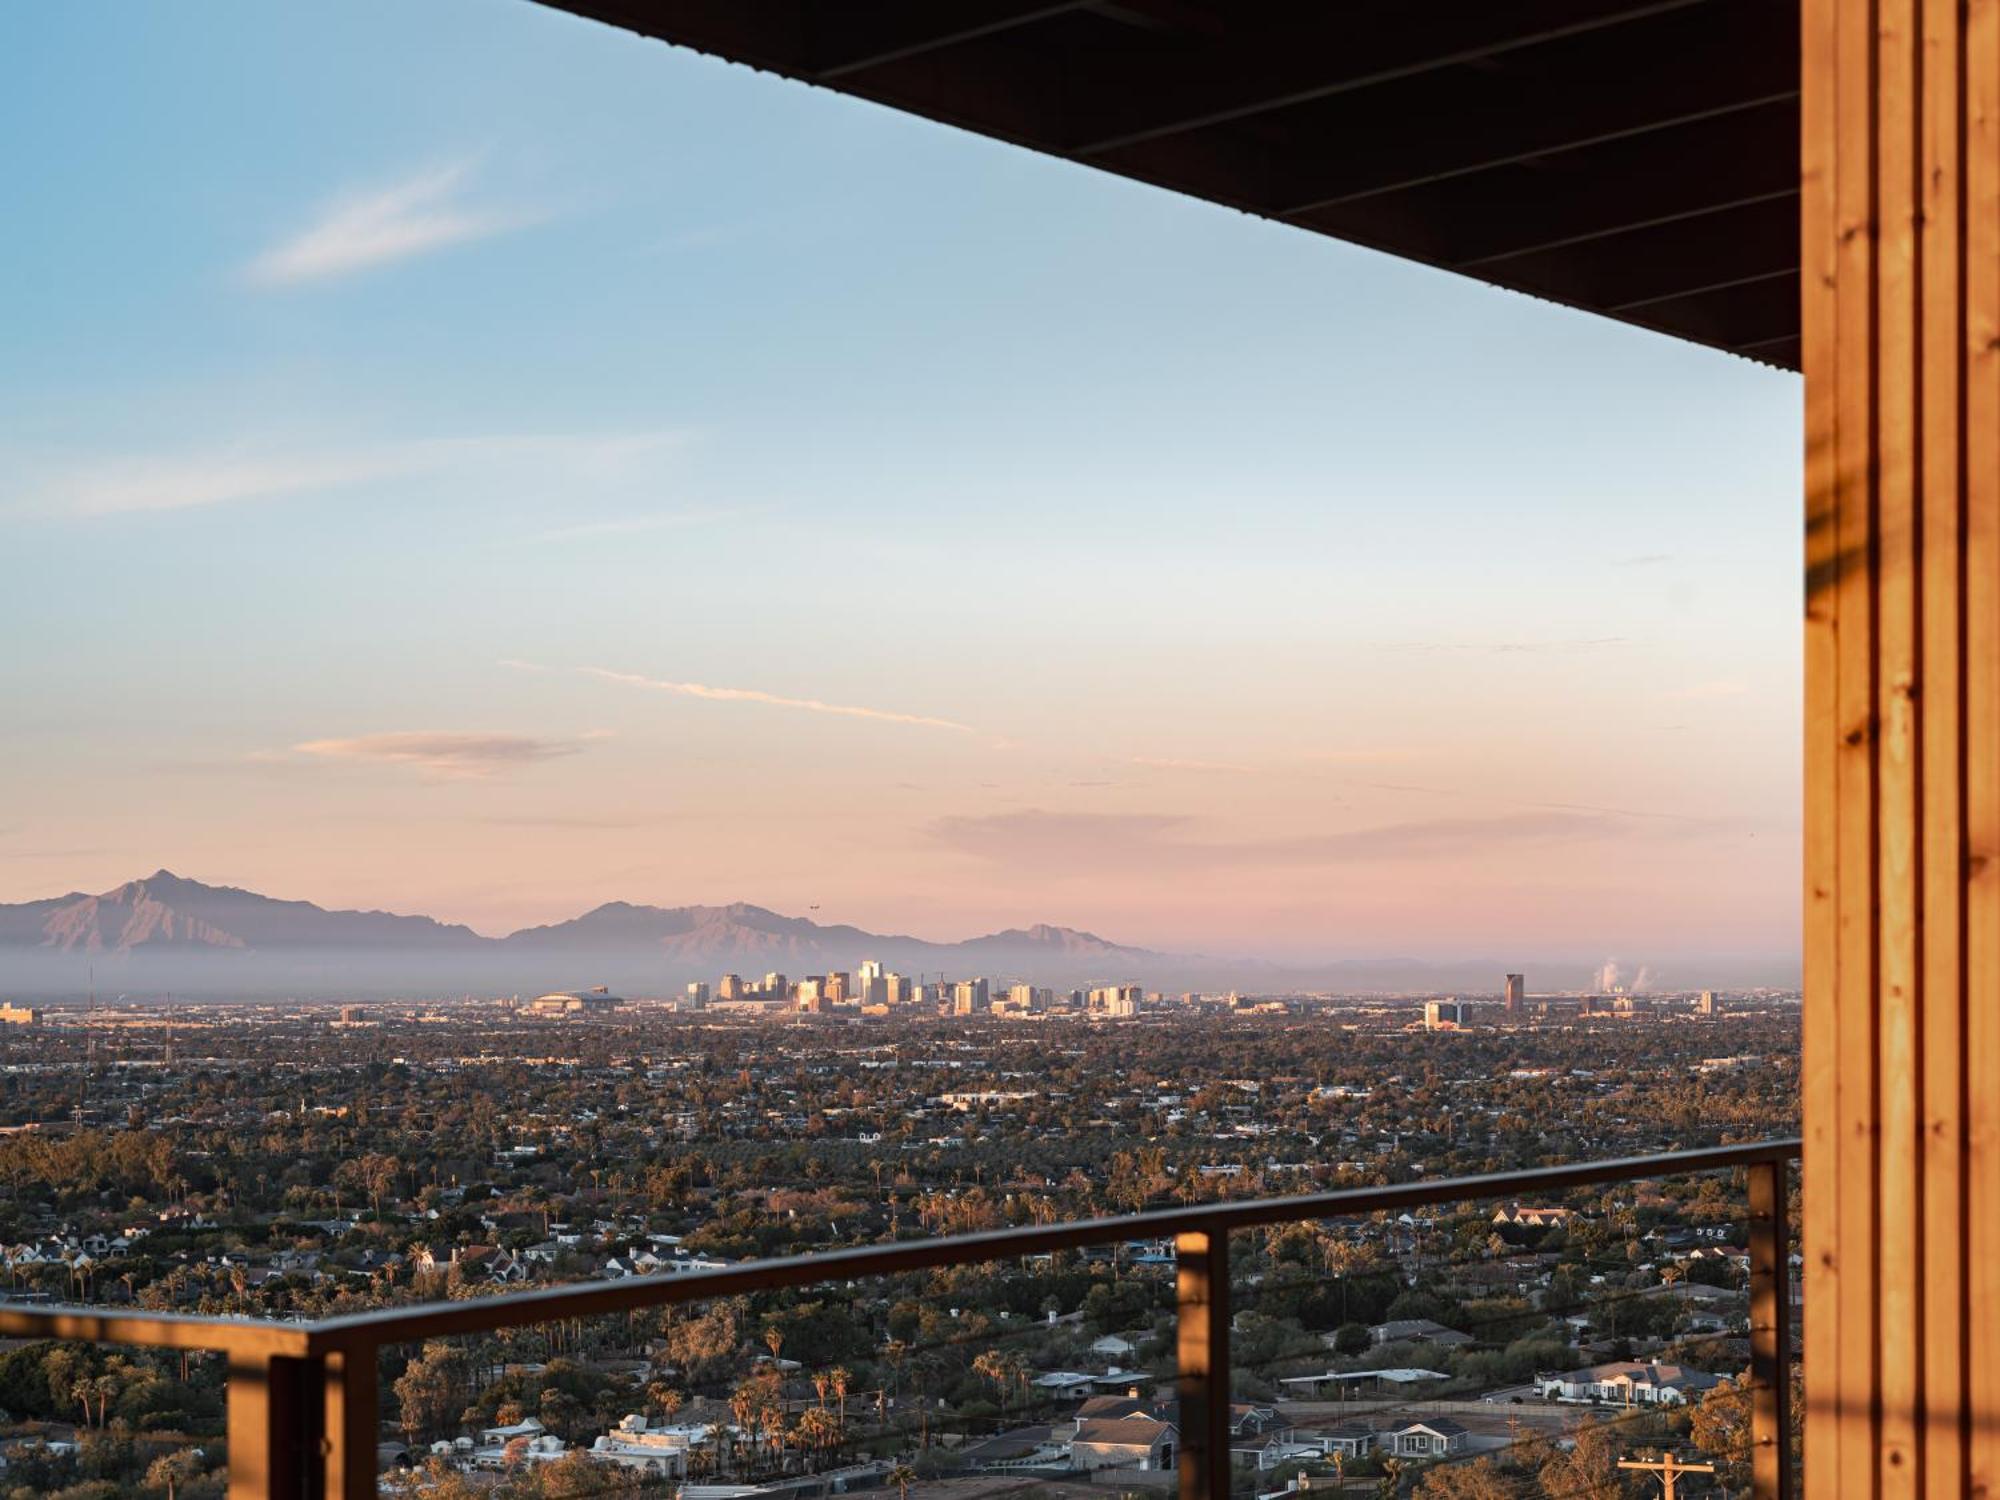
{"x":98,"y":1325}
{"x":592,"y":1299}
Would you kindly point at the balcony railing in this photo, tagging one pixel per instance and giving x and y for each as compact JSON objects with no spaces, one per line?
{"x":303,"y":1405}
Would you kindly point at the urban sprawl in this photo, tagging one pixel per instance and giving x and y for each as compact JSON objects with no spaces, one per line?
{"x":297,"y":1160}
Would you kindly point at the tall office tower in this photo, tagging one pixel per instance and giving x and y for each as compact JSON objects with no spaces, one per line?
{"x":731,"y":987}
{"x":970,"y":996}
{"x":896,"y":989}
{"x":867,"y":971}
{"x":1517,"y":991}
{"x":1707,"y":1005}
{"x":775,"y":986}
{"x":697,"y":996}
{"x":839,"y":988}
{"x":812,"y":990}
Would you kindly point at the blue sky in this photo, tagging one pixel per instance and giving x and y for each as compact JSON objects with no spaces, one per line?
{"x":391,"y":395}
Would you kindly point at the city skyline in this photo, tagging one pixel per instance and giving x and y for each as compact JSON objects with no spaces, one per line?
{"x":638,"y":479}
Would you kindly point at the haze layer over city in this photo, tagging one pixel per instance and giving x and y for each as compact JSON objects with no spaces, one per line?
{"x":628,"y":667}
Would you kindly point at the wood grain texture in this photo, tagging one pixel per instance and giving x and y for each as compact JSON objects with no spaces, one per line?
{"x":1901,"y":249}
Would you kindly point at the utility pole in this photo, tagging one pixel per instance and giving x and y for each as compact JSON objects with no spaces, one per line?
{"x":1667,"y":1470}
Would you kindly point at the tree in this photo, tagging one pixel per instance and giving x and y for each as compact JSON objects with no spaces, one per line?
{"x":1478,"y":1480}
{"x":1351,"y":1339}
{"x":172,"y":1470}
{"x":901,"y":1477}
{"x":432,"y":1389}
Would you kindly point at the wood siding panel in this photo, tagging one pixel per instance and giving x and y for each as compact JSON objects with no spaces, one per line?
{"x":1901,"y":242}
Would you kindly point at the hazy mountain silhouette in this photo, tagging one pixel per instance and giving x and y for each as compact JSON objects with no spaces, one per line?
{"x":165,"y":933}
{"x":168,"y":932}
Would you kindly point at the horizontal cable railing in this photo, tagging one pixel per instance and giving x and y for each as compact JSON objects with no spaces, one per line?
{"x":303,"y":1407}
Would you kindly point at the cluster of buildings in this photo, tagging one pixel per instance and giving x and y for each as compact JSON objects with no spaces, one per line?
{"x":872,"y":990}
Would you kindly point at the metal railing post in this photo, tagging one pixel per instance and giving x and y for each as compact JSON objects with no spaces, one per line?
{"x":1770,"y":1334}
{"x":274,"y":1417}
{"x":1202,"y":1283}
{"x":352,"y":1405}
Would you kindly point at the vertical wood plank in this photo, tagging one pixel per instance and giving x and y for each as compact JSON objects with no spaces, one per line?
{"x":1941,"y":972}
{"x":1896,"y":669}
{"x":1819,"y":1093}
{"x":1857,"y":1373}
{"x":1979,"y":1210}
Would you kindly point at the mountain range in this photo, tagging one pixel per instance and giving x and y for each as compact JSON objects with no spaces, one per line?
{"x":168,"y":934}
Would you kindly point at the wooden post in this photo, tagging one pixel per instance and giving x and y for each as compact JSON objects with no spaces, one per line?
{"x":273,"y":1425}
{"x":350,"y":1427}
{"x":1901,"y":261}
{"x":1770,"y":1334}
{"x":1202,"y":1283}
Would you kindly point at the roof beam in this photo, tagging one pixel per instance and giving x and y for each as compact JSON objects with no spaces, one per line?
{"x":1152,"y":93}
{"x":1482,"y":123}
{"x":1637,"y":183}
{"x":818,"y":41}
{"x":1751,"y":242}
{"x":874,"y":35}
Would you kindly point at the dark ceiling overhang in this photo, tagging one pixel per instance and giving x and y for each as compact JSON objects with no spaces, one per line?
{"x":1637,"y":160}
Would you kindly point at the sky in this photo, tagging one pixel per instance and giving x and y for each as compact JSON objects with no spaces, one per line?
{"x":459,"y":458}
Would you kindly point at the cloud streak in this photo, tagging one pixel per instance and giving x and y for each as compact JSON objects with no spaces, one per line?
{"x":773,"y":700}
{"x":414,"y":216}
{"x":254,"y":472}
{"x":446,"y":753}
{"x":1036,"y":838}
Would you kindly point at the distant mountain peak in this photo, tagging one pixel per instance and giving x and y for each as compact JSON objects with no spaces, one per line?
{"x":170,"y":930}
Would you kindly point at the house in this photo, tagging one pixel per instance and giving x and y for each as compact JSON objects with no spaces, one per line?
{"x":1017,"y":1450}
{"x":1529,"y":1216}
{"x":1135,"y":1442}
{"x":1116,"y":1408}
{"x":1418,"y":1331}
{"x":1249,"y":1420}
{"x":1435,"y":1437}
{"x":1272,"y":1449}
{"x":1628,"y":1383}
{"x":1065,"y":1385}
{"x":1348,"y":1440}
{"x":499,"y":1437}
{"x":657,"y":1453}
{"x":1400,"y":1380}
{"x":1111,"y":1346}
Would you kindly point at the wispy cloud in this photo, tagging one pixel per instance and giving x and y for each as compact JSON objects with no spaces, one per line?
{"x":126,"y":486}
{"x":272,"y":471}
{"x":1036,"y":838}
{"x":773,"y":700}
{"x":1179,"y":763}
{"x":445,"y":753}
{"x":359,"y":230}
{"x":634,"y":525}
{"x":1721,"y":687}
{"x":1511,"y":648}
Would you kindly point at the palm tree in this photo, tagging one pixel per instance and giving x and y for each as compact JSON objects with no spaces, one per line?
{"x":901,"y":1477}
{"x":171,"y":1470}
{"x":838,"y":1378}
